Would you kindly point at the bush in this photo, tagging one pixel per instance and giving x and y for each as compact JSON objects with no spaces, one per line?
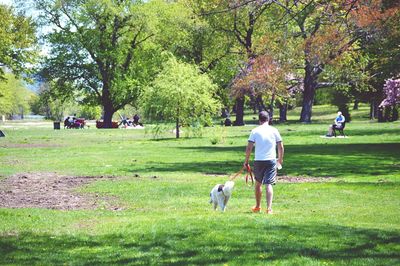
{"x":90,"y":112}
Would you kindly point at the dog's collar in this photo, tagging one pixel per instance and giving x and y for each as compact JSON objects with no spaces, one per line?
{"x":220,"y":188}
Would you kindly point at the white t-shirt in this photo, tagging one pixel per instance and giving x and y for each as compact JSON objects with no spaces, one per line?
{"x":265,"y":138}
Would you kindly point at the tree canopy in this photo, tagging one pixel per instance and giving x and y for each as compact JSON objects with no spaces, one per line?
{"x":107,"y":52}
{"x":15,"y":98}
{"x":101,"y":49}
{"x":18,"y":50}
{"x":180,"y":93}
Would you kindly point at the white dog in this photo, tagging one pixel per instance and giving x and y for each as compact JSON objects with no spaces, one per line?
{"x":221,"y":194}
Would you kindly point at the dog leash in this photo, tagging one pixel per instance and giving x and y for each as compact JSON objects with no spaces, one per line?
{"x":248,"y":174}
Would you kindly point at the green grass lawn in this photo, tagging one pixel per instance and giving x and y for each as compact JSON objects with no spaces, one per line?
{"x":352,"y":218}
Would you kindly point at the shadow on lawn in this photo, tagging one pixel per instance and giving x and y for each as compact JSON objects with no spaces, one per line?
{"x":244,"y":245}
{"x":335,"y":160}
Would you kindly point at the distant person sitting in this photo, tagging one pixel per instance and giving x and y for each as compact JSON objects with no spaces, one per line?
{"x":136,"y":119}
{"x":228,"y":122}
{"x":126,"y":122}
{"x":338,"y":124}
{"x":66,"y":122}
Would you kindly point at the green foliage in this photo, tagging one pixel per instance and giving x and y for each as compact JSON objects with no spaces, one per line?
{"x":102,"y":49}
{"x":15,"y":98}
{"x":90,"y":112}
{"x":180,"y":94}
{"x":18,"y":47}
{"x":53,"y":105}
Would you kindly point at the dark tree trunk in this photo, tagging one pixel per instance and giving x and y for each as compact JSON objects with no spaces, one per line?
{"x":107,"y":118}
{"x":239,"y":106}
{"x":177,"y":128}
{"x":260,"y":103}
{"x":253,"y":103}
{"x":395,"y":114}
{"x":283,"y":111}
{"x":381,"y":117}
{"x":108,"y":108}
{"x":310,"y":86}
{"x":344,"y":108}
{"x":355,"y":107}
{"x":387,"y":113}
{"x":372,"y":110}
{"x":271,"y":109}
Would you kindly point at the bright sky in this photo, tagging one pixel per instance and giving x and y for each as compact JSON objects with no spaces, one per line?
{"x":7,"y":2}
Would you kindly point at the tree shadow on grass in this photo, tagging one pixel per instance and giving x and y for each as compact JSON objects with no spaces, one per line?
{"x":235,"y":243}
{"x":335,"y":160}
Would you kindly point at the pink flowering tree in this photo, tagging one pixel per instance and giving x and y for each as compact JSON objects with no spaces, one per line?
{"x":389,"y":104}
{"x":392,"y":92}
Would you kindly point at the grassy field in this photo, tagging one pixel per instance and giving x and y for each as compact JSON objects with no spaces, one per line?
{"x":349,"y":217}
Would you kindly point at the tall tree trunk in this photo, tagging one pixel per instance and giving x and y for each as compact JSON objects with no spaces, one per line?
{"x":380,"y":115}
{"x":372,"y":110}
{"x":271,"y":109}
{"x":310,"y":86}
{"x":260,"y":103}
{"x":253,"y":103}
{"x":395,"y":114}
{"x":283,"y":111}
{"x":356,"y":102}
{"x":239,"y":106}
{"x":108,"y":108}
{"x":107,"y":118}
{"x":177,"y":128}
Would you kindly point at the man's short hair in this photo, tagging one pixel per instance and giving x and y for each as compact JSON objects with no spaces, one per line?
{"x":263,"y":116}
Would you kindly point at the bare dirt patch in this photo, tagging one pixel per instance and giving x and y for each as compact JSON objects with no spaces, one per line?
{"x":302,"y":179}
{"x":51,"y":191}
{"x":30,"y":145}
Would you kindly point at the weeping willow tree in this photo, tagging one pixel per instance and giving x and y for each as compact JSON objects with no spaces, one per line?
{"x":180,"y":94}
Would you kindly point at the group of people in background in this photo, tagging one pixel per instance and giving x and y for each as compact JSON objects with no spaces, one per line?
{"x":73,"y":122}
{"x":131,"y":123}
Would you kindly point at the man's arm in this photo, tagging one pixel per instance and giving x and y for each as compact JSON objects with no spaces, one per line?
{"x":249,"y":148}
{"x":281,"y":151}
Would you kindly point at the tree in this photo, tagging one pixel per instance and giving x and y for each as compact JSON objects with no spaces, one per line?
{"x":262,"y":76}
{"x":100,"y":48}
{"x":191,"y":38}
{"x":242,"y":23}
{"x":18,"y":42}
{"x":328,"y":29}
{"x":180,"y":93}
{"x":392,"y":92}
{"x":15,"y":96}
{"x":380,"y":45}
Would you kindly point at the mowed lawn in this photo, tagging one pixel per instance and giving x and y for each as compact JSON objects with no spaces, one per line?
{"x":349,"y":216}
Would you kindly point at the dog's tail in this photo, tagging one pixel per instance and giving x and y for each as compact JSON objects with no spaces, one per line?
{"x":228,"y":188}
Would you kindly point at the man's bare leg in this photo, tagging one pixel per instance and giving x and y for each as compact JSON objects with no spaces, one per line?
{"x":270,"y":195}
{"x":258,"y":194}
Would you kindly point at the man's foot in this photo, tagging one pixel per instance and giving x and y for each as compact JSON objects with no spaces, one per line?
{"x":327,"y":135}
{"x":269,"y":211}
{"x":256,"y":209}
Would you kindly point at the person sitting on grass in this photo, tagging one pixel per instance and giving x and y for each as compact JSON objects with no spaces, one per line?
{"x":136,"y":122}
{"x":338,"y":124}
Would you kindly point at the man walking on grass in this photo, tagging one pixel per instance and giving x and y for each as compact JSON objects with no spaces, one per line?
{"x":266,"y":138}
